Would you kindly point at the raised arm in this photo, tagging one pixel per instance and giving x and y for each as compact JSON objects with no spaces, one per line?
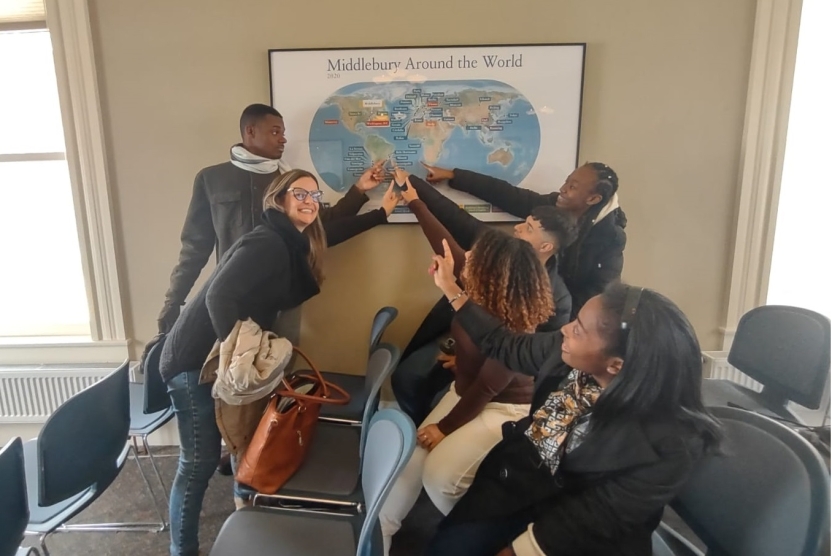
{"x":436,"y":232}
{"x":356,"y":196}
{"x":500,"y":193}
{"x":462,"y":226}
{"x":348,"y":205}
{"x":198,"y":242}
{"x":342,"y":229}
{"x":529,"y":354}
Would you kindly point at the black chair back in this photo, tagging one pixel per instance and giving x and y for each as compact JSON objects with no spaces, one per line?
{"x":766,"y":495}
{"x":156,"y":396}
{"x":787,"y":350}
{"x":84,"y":440}
{"x":14,"y":508}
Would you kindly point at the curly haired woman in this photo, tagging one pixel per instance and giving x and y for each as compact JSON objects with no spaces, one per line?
{"x":503,"y":275}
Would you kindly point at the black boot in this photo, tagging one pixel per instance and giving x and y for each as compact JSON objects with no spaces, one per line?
{"x":224,"y":468}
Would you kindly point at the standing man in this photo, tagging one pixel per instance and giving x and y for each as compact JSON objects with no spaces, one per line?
{"x":227,"y":203}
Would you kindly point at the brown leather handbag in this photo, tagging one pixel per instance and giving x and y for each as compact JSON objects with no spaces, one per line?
{"x":282,"y":439}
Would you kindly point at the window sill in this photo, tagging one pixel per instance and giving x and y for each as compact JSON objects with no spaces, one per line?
{"x":52,"y":350}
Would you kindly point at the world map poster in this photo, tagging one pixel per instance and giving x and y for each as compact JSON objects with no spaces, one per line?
{"x":512,"y":112}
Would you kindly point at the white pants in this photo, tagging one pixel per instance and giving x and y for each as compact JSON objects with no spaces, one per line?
{"x":448,"y":470}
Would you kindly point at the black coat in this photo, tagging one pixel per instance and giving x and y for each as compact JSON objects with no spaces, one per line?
{"x":589,"y":264}
{"x":227,"y":203}
{"x":609,"y":492}
{"x":264,"y":272}
{"x":465,"y":228}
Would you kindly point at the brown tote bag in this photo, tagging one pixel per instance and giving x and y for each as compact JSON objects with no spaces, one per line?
{"x":282,"y":439}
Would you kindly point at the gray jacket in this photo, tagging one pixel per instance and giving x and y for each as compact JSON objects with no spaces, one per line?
{"x":227,"y":203}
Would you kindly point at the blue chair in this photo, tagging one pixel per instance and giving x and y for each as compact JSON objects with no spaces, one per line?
{"x":268,"y":531}
{"x":767,"y":495}
{"x":79,"y":453}
{"x":330,"y":475}
{"x":150,"y":410}
{"x":358,"y":387}
{"x":787,"y":350}
{"x":14,"y":508}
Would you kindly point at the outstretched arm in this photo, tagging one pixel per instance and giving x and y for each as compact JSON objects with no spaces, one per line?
{"x":433,"y":229}
{"x":500,"y":193}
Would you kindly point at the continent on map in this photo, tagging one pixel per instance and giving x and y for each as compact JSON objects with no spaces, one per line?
{"x":482,"y":125}
{"x":503,"y":156}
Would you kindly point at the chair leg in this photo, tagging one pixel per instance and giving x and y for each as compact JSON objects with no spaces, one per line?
{"x":43,"y":549}
{"x":155,"y":468}
{"x":123,"y":526}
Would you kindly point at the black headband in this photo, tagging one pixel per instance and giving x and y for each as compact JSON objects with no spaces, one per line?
{"x":629,"y":312}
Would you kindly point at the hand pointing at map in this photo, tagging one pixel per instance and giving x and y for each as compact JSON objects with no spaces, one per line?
{"x":391,"y":199}
{"x":437,"y":174}
{"x":371,"y":177}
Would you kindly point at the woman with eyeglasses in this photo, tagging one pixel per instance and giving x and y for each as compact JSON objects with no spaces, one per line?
{"x":275,"y":267}
{"x":615,"y":428}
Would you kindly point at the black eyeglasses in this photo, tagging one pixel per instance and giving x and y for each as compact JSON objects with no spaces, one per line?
{"x":300,"y":194}
{"x":629,"y":312}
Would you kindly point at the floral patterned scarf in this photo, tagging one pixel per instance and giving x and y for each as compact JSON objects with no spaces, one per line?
{"x":552,"y":423}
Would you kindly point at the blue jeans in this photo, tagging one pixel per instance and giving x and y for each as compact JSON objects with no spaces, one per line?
{"x":478,"y":538}
{"x":199,"y":454}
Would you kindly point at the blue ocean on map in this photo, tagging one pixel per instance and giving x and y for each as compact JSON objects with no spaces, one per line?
{"x":481,"y":125}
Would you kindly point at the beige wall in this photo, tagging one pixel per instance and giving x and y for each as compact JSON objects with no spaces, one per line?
{"x":663,"y":104}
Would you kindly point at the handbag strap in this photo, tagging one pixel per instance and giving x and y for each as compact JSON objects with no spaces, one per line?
{"x":343,"y":397}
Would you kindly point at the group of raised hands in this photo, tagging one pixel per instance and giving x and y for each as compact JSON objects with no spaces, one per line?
{"x":376,"y":174}
{"x":441,"y":266}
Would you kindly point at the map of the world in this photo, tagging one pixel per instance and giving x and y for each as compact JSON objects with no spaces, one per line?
{"x":481,"y":125}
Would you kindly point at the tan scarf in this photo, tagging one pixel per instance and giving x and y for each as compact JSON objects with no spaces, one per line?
{"x":552,"y":423}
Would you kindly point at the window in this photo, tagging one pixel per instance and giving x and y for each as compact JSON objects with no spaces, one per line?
{"x":800,"y":259}
{"x":42,"y":288}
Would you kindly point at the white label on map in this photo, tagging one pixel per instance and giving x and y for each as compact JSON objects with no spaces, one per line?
{"x":372,"y":103}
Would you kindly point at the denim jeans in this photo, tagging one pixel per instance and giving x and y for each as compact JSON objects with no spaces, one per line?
{"x":199,"y":454}
{"x":478,"y":538}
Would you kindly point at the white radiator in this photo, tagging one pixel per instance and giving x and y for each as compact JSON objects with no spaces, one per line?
{"x":715,"y":365}
{"x":30,"y":393}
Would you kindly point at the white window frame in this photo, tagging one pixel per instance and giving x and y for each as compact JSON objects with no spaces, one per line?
{"x":68,"y":22}
{"x":773,"y":56}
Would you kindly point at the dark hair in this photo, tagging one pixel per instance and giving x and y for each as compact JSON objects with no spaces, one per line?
{"x":606,"y":186}
{"x":662,"y":371}
{"x":504,"y":276}
{"x":558,"y":223}
{"x":254,"y":113}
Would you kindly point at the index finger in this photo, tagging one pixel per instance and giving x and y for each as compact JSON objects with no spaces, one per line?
{"x":392,"y":184}
{"x":446,"y":248}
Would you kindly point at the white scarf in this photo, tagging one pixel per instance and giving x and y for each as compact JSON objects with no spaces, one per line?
{"x":608,"y":209}
{"x":242,"y":158}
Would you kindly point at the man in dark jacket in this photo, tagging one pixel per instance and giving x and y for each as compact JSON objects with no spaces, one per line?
{"x":417,"y":382}
{"x":227,"y":203}
{"x":590,"y":194}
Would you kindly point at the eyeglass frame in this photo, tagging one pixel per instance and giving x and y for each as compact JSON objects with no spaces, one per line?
{"x":317,"y":195}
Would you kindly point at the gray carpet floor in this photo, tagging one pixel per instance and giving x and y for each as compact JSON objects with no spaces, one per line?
{"x":127,"y":500}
